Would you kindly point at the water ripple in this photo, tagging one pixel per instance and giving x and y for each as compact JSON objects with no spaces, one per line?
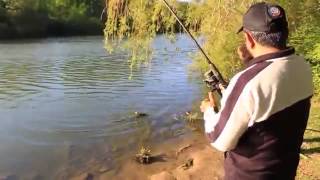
{"x":70,"y":90}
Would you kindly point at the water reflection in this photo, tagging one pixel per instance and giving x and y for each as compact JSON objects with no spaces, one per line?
{"x":65,"y":103}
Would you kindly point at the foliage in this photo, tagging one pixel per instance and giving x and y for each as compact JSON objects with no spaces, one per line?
{"x":307,"y":41}
{"x":139,"y":22}
{"x":214,"y":21}
{"x":306,"y":37}
{"x":37,"y":18}
{"x":219,"y":21}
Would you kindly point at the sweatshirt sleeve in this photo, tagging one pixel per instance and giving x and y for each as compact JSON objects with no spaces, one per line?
{"x":210,"y":120}
{"x":225,"y":128}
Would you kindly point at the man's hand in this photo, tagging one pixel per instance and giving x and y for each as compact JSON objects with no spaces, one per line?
{"x":205,"y":104}
{"x":222,"y":88}
{"x":208,"y":103}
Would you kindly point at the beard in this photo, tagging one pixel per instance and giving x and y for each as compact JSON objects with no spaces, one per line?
{"x":245,"y":55}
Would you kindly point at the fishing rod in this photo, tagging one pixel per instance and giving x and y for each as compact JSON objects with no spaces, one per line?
{"x":213,"y":77}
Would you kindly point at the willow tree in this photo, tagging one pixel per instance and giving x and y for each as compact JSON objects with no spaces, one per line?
{"x":216,"y":21}
{"x":139,"y":21}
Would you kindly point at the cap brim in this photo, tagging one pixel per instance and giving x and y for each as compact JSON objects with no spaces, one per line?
{"x":240,"y":30}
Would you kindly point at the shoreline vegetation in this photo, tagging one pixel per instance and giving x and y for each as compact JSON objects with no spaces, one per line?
{"x":140,"y":21}
{"x":49,"y":18}
{"x":216,"y":22}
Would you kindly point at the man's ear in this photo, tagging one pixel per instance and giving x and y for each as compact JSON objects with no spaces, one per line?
{"x":249,"y":40}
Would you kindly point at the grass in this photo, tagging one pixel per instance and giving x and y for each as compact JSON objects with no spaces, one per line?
{"x":309,"y":167}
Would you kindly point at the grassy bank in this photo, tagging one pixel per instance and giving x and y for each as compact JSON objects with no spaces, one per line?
{"x":310,"y":158}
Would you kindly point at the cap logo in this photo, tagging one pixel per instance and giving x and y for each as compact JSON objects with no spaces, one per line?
{"x":274,"y":12}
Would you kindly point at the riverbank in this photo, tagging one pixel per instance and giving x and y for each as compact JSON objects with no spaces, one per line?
{"x":192,"y":158}
{"x":187,"y":158}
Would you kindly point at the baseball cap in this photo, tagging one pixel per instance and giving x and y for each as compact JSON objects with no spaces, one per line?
{"x":264,"y":17}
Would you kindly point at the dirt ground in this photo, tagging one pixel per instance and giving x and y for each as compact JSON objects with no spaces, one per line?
{"x":310,"y":154}
{"x":188,"y":159}
{"x":192,"y":158}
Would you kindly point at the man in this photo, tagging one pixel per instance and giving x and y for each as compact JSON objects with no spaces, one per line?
{"x":265,"y":108}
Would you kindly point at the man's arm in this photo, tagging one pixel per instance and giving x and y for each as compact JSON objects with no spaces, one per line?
{"x":226,"y":127}
{"x":237,"y":105}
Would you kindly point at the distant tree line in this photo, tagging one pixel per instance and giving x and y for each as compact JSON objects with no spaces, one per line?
{"x":41,"y":18}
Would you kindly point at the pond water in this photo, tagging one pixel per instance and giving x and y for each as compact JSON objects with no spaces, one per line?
{"x":66,"y":101}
